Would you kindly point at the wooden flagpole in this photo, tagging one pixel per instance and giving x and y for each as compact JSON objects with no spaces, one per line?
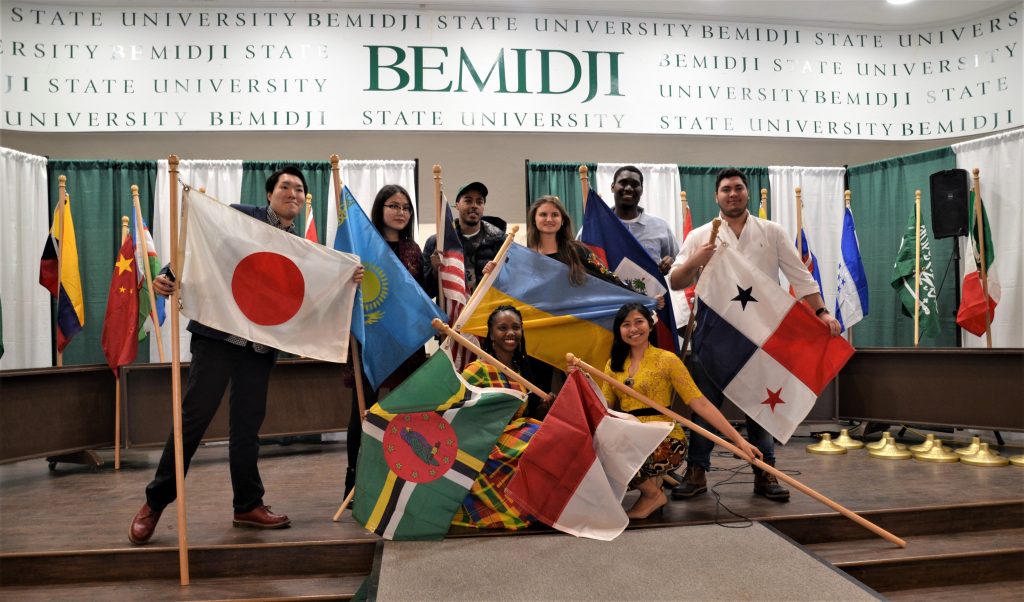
{"x":441,"y":327}
{"x":357,"y":366}
{"x":485,"y":282}
{"x":764,"y":202}
{"x":439,"y":229}
{"x":144,"y":244}
{"x":847,"y":195}
{"x":62,"y":199}
{"x":715,"y":225}
{"x":117,"y":377}
{"x":585,"y":184}
{"x":980,"y":225}
{"x":309,"y":211}
{"x":917,"y":268}
{"x":179,"y":461}
{"x":598,"y":374}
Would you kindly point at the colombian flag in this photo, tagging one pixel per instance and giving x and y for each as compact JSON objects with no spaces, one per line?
{"x":70,"y":305}
{"x":557,"y":318}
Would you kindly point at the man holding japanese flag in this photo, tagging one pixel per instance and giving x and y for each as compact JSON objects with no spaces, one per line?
{"x":250,"y":290}
{"x":767,"y":247}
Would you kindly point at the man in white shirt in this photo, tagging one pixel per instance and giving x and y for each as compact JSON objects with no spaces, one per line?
{"x":766,"y":245}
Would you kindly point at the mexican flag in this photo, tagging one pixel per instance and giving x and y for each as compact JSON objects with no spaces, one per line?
{"x":903,"y":278}
{"x":971,"y":315}
{"x":422,"y":448}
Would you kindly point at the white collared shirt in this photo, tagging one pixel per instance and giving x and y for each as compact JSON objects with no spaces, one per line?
{"x":763,"y":243}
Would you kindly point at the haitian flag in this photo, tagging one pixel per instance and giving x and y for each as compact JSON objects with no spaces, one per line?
{"x":574,"y":473}
{"x":422,"y":448}
{"x":765,"y":350}
{"x":392,"y":315}
{"x":623,"y":254}
{"x":120,"y":340}
{"x":68,"y":292}
{"x":559,"y":317}
{"x":250,"y":279}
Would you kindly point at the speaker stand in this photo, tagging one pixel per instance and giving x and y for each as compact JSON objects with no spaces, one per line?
{"x":956,"y":289}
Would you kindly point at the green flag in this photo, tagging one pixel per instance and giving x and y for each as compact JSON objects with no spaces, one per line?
{"x":990,"y":250}
{"x":903,"y":279}
{"x":422,"y":448}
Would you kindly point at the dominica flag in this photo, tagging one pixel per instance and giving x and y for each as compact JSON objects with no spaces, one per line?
{"x":422,"y":448}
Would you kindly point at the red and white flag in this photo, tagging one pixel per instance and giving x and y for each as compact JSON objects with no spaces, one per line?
{"x":453,"y":284}
{"x":765,"y":350}
{"x":311,"y":227}
{"x":574,"y":473}
{"x":250,"y":279}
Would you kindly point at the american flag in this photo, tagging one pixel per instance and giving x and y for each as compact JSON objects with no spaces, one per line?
{"x":453,"y":284}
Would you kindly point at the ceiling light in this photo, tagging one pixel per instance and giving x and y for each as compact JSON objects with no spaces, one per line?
{"x":899,"y":1}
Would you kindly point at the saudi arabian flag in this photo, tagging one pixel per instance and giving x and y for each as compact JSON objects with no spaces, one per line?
{"x":423,"y":447}
{"x":903,"y":279}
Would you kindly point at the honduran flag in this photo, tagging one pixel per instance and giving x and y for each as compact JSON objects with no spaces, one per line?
{"x":624,"y":255}
{"x":559,"y":318}
{"x":852,"y":293}
{"x":575,"y":471}
{"x":767,"y":352}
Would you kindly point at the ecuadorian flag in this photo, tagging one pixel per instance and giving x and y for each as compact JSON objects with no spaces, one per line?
{"x":557,"y":318}
{"x":68,"y":291}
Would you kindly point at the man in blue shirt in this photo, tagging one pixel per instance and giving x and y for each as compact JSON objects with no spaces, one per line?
{"x":653,"y":232}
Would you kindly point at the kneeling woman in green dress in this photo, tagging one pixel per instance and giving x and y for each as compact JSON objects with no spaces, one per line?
{"x":638,"y":363}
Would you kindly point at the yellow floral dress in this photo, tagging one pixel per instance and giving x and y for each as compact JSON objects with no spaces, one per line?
{"x":660,"y":372}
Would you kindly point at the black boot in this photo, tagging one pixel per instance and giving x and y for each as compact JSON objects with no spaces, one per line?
{"x":694,"y":483}
{"x":767,"y":485}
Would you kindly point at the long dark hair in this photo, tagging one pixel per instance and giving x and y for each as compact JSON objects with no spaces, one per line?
{"x":519,"y":353}
{"x":377,"y":212}
{"x":620,"y":348}
{"x":568,"y":247}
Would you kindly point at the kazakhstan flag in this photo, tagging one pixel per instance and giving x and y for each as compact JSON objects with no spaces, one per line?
{"x":391,"y":317}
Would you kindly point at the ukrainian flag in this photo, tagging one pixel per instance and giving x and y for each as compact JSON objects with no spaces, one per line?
{"x":557,"y":318}
{"x":70,"y":305}
{"x":392,"y":315}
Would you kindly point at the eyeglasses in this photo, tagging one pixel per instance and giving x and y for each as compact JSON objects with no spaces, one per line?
{"x":399,"y":208}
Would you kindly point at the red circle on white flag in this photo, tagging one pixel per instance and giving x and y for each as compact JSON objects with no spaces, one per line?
{"x":268,"y":288}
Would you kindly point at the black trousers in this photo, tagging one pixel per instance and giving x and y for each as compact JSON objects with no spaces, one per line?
{"x":214,"y":365}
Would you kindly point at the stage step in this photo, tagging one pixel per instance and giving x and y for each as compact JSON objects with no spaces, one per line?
{"x":948,"y":548}
{"x":341,"y":587}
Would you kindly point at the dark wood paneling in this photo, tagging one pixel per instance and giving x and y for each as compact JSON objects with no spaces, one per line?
{"x":977,"y":388}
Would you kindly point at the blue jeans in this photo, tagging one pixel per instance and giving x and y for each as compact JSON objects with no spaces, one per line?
{"x":700,"y":447}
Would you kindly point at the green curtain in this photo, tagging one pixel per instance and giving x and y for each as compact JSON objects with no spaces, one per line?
{"x":699,"y":183}
{"x":318,"y":178}
{"x":561,"y":180}
{"x":882,"y":202}
{"x":100,"y":194}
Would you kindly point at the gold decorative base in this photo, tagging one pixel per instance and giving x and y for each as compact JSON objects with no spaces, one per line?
{"x":971,"y":449}
{"x":937,"y":453}
{"x":985,"y":457}
{"x":891,"y":451}
{"x":1017,"y":460}
{"x":848,"y":442}
{"x":880,"y":443}
{"x":826,"y":446}
{"x":925,"y":445}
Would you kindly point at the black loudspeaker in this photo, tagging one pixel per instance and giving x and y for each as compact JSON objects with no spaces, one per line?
{"x":949,"y":203}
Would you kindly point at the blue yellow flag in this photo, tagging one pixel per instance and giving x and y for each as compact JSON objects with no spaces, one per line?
{"x":68,"y":292}
{"x":392,"y":315}
{"x":557,"y":318}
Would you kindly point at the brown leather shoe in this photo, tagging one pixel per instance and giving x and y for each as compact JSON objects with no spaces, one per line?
{"x":143,"y":525}
{"x":261,"y":517}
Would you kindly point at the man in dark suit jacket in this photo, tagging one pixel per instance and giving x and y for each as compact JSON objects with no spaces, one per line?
{"x":219,"y":358}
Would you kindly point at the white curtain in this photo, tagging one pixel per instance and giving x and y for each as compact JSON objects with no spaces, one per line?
{"x":24,"y":213}
{"x":223,"y":181}
{"x":365,"y":178}
{"x":999,"y":162}
{"x":823,"y":206}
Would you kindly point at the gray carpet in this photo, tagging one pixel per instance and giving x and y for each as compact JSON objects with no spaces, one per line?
{"x":704,"y":562}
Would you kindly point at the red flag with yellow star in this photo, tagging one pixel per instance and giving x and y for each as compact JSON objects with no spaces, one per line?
{"x":120,"y":338}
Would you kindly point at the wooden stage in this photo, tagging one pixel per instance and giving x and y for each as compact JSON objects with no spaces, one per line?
{"x":63,"y":534}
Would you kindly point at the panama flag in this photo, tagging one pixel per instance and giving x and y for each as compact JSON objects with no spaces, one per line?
{"x":852,"y":294}
{"x":767,"y":352}
{"x":624,"y":255}
{"x":575,"y":471}
{"x":250,"y":279}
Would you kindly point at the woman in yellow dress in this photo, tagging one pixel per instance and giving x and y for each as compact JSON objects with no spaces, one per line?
{"x":638,"y":363}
